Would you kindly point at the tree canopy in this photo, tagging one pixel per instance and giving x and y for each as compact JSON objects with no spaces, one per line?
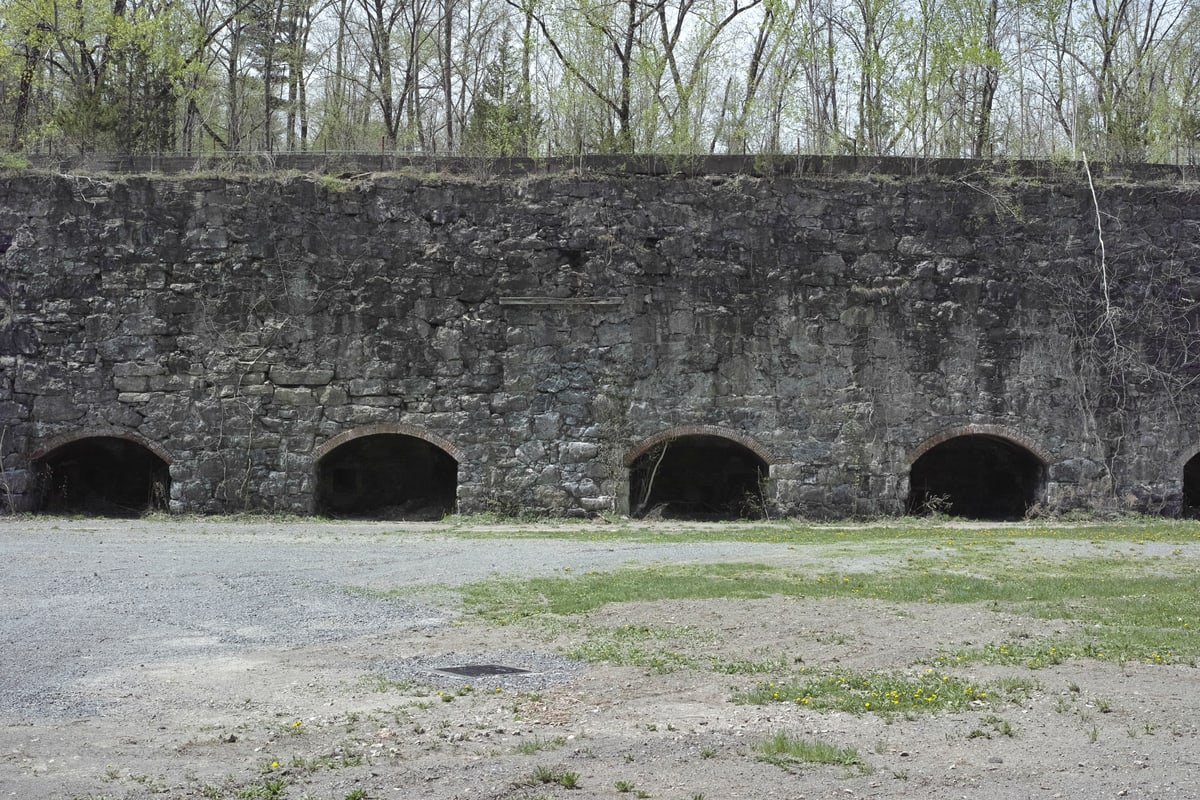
{"x":1116,"y":79}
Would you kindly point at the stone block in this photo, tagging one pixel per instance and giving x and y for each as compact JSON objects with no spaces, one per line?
{"x":367,"y":387}
{"x":334,"y":396}
{"x":597,"y":504}
{"x":531,"y":452}
{"x":56,"y":408}
{"x":172,"y":383}
{"x":294,"y":396}
{"x":133,"y":384}
{"x":360,"y":415}
{"x":292,"y":376}
{"x":547,"y":426}
{"x":132,"y":369}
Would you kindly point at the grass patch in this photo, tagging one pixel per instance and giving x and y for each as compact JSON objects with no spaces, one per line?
{"x":636,"y":646}
{"x":537,"y":744}
{"x":885,"y":693}
{"x":1131,"y":608}
{"x":270,"y":788}
{"x":905,"y":530}
{"x":330,"y":761}
{"x":790,"y":753}
{"x":1033,"y":654}
{"x":742,"y":666}
{"x":567,"y":780}
{"x":509,"y":600}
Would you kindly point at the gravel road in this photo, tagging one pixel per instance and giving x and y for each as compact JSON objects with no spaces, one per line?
{"x":89,"y":596}
{"x":199,"y":658}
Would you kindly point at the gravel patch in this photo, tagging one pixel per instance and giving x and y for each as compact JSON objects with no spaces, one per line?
{"x":209,"y":658}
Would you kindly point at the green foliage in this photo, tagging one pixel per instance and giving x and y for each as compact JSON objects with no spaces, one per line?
{"x":882,"y":693}
{"x":112,"y":71}
{"x":567,"y":780}
{"x":503,"y":121}
{"x":13,"y":161}
{"x":633,"y":645}
{"x":537,"y":744}
{"x":1132,"y":608}
{"x":267,"y":790}
{"x":952,"y":78}
{"x":790,"y":753}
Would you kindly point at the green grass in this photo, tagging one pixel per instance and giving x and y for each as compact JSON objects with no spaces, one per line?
{"x":637,"y":646}
{"x":339,"y":759}
{"x":789,"y":752}
{"x":885,"y":693}
{"x":509,"y":600}
{"x":271,"y":788}
{"x":1129,"y":608}
{"x":537,"y":744}
{"x":567,"y":780}
{"x":904,"y":529}
{"x":1032,"y":653}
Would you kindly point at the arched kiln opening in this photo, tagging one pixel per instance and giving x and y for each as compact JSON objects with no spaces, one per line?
{"x":698,"y":477}
{"x":978,"y":477}
{"x":387,"y":476}
{"x":101,"y":476}
{"x":1191,"y":487}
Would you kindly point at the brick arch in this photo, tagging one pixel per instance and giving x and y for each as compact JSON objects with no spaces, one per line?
{"x":747,"y":441}
{"x":414,"y":431}
{"x":995,"y":431}
{"x":1188,"y":453}
{"x":1186,"y":480}
{"x":54,"y":443}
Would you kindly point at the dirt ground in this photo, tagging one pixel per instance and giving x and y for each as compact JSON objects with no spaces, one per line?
{"x":365,"y":714}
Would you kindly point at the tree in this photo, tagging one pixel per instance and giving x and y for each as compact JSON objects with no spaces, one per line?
{"x":868,"y":25}
{"x":705,"y":23}
{"x":501,"y":122}
{"x":394,"y":28}
{"x":596,"y":45}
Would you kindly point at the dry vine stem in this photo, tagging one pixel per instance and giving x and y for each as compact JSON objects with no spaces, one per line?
{"x":650,"y":482}
{"x":1108,"y":313}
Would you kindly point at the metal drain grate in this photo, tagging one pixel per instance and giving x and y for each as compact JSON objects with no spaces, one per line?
{"x":482,"y":670}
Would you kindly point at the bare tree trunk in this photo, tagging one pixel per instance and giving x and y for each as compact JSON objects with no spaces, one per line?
{"x":33,"y":55}
{"x":991,"y":76}
{"x":233,"y":128}
{"x":268,"y":75}
{"x":448,"y":69}
{"x":526,"y":95}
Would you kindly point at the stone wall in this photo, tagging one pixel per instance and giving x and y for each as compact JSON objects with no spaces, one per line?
{"x":546,"y":331}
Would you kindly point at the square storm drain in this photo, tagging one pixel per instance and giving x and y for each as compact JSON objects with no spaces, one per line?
{"x":482,"y":670}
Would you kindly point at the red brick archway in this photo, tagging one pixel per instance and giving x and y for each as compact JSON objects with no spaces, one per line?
{"x":414,"y":431}
{"x":745,"y":440}
{"x":984,"y":472}
{"x":387,"y":471}
{"x":699,"y":472}
{"x":52,"y":444}
{"x":996,"y":431}
{"x":100,"y":471}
